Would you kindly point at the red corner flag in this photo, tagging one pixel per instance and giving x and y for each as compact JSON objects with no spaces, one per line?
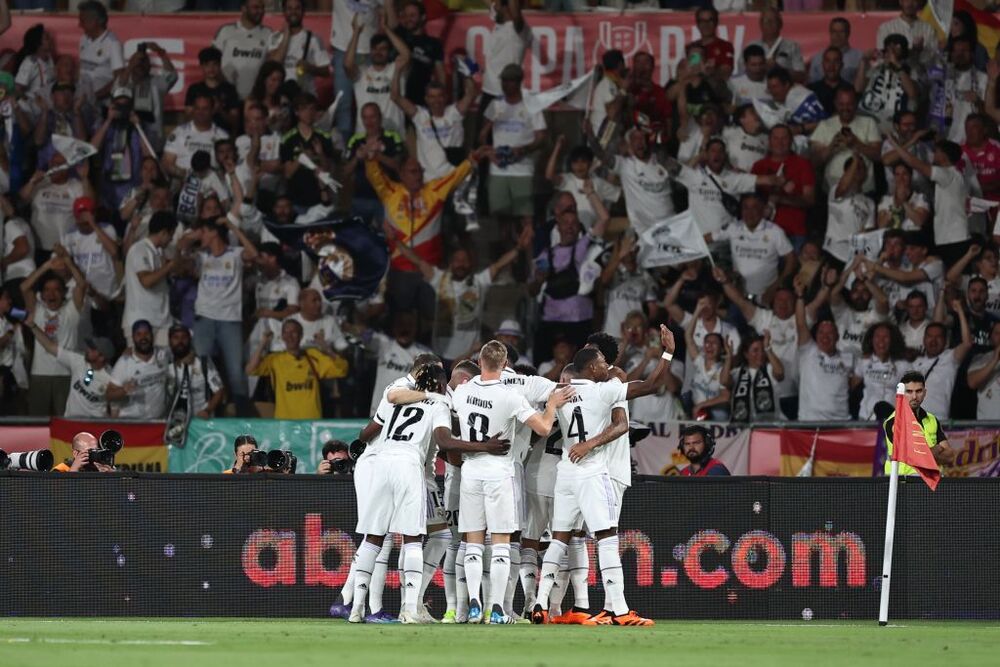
{"x":910,"y":446}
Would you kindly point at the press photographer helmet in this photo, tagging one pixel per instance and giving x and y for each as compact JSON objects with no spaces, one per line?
{"x":39,"y":460}
{"x":109,"y":444}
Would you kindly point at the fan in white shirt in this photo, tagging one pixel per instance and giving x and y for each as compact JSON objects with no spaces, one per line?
{"x":984,"y":377}
{"x":746,"y":142}
{"x":94,"y":248}
{"x":17,"y":250}
{"x":583,"y":184}
{"x":300,"y":49}
{"x":373,"y":82}
{"x":903,"y":207}
{"x":438,"y":125}
{"x":147,"y":291}
{"x":880,"y":369}
{"x":101,"y":55}
{"x":915,"y":321}
{"x":939,"y":364}
{"x":89,"y":374}
{"x":200,"y":134}
{"x":608,"y":94}
{"x":507,"y":43}
{"x":645,"y":183}
{"x":854,"y":314}
{"x":757,"y":246}
{"x":394,"y":355}
{"x":245,"y":45}
{"x":260,"y":148}
{"x":138,"y":388}
{"x":918,"y":270}
{"x":752,"y":83}
{"x":824,"y":370}
{"x":850,"y":211}
{"x":52,"y":200}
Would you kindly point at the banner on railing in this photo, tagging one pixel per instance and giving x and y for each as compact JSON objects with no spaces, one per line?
{"x":564,"y":46}
{"x":209,"y":446}
{"x":144,"y":449}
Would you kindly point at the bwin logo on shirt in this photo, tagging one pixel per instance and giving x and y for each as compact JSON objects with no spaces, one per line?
{"x":255,"y":54}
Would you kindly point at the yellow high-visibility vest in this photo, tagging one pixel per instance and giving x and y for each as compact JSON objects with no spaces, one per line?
{"x":929,"y":425}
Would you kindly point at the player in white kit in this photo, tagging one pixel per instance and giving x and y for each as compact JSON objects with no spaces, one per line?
{"x":398,"y":490}
{"x":592,"y":419}
{"x":485,"y":408}
{"x":368,"y":441}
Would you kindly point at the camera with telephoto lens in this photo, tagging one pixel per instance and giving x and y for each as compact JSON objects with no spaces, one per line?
{"x":109,"y":444}
{"x":277,"y":460}
{"x":39,"y":460}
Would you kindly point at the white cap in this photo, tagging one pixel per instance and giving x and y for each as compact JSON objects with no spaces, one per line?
{"x":509,"y":328}
{"x":900,"y":389}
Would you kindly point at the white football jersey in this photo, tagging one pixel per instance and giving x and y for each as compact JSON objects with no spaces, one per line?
{"x":410,"y":428}
{"x":384,"y":411}
{"x":583,"y":417}
{"x":536,"y":389}
{"x":488,"y":408}
{"x":620,"y":451}
{"x":540,"y":469}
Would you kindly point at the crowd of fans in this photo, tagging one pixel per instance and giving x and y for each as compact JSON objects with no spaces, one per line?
{"x":848,"y":202}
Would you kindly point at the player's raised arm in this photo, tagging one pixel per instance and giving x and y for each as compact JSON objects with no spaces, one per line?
{"x":541,"y":423}
{"x":616,"y":429}
{"x":652,"y":383}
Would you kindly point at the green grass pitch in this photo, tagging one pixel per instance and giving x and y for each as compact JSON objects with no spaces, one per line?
{"x":279,"y":643}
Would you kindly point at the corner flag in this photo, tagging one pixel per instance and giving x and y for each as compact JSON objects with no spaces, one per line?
{"x":909,"y":445}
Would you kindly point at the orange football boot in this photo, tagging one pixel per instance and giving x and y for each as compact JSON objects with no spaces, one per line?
{"x":632,"y":618}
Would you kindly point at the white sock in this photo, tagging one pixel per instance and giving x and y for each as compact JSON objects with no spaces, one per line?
{"x":550,"y":572}
{"x":347,"y":592}
{"x":474,"y":570}
{"x":529,"y":575}
{"x":461,"y":583}
{"x":611,"y":573}
{"x":434,"y":550}
{"x":449,"y":576}
{"x":579,"y":570}
{"x":499,"y":574}
{"x":377,"y":585}
{"x":365,"y":567}
{"x":413,"y":571}
{"x":486,"y":581}
{"x":515,"y":569}
{"x":562,"y":586}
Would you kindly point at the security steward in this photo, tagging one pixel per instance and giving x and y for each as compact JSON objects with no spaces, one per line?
{"x":914,"y":385}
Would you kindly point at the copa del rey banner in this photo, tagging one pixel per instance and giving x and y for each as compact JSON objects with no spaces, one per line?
{"x":565,"y":46}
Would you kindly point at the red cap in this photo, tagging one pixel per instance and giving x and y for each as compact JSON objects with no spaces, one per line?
{"x":82,"y":204}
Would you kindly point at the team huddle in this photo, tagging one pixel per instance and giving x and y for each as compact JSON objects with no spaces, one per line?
{"x":526,"y":459}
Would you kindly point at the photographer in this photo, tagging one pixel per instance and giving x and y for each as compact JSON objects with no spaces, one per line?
{"x":336,"y":459}
{"x":243,"y":447}
{"x":83,"y":444}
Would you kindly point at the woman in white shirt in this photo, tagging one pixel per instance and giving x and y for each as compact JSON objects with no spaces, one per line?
{"x":36,"y":72}
{"x":752,"y":383}
{"x":903,"y":207}
{"x":709,"y":396}
{"x":880,"y":367}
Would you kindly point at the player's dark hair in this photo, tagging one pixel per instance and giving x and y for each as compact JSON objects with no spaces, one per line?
{"x":585,"y":357}
{"x":607,"y":344}
{"x":422,"y":360}
{"x":512,"y":354}
{"x":431,"y":378}
{"x":913,"y":376}
{"x":245,"y":439}
{"x":334,"y":446}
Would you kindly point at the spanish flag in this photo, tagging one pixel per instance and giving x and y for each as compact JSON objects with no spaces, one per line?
{"x":144,"y":450}
{"x":909,"y":445}
{"x":828,"y":453}
{"x":938,"y":14}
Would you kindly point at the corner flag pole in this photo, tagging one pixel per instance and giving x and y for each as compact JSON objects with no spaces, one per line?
{"x":890,"y":530}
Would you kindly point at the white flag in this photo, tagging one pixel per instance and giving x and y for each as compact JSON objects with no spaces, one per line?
{"x":770,"y":113}
{"x":942,"y":11}
{"x":980,"y":205}
{"x":674,"y":241}
{"x":574,"y":92}
{"x":323,"y":176}
{"x":807,"y":467}
{"x":868,"y":244}
{"x":72,"y":149}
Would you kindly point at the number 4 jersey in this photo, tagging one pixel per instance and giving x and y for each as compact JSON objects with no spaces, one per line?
{"x":488,"y":408}
{"x":583,"y":417}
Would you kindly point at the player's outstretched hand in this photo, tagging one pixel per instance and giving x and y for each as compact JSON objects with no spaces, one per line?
{"x":497,"y":447}
{"x":667,"y":339}
{"x":560,"y":396}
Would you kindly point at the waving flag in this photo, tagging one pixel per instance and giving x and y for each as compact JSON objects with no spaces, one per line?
{"x":574,"y":92}
{"x":909,"y":445}
{"x":674,"y":241}
{"x":805,"y":107}
{"x":352,"y":257}
{"x":72,"y":149}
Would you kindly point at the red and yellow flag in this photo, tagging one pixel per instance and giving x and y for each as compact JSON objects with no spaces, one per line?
{"x":909,"y":445}
{"x":144,"y":450}
{"x":937,"y":12}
